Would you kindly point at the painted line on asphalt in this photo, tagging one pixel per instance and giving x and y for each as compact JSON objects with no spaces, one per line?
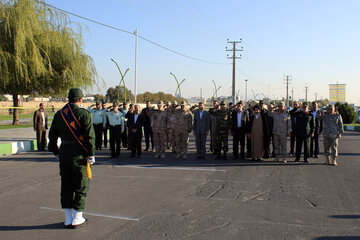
{"x":96,"y":214}
{"x":174,"y":168}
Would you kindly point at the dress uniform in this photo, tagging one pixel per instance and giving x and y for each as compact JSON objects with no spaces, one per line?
{"x":171,"y":126}
{"x":106,"y":128}
{"x":98,"y":121}
{"x":304,"y":130}
{"x":213,"y":125}
{"x":75,"y":128}
{"x":183,"y":123}
{"x":116,"y":122}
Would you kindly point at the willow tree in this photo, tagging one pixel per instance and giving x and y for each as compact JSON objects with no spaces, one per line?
{"x":40,"y":52}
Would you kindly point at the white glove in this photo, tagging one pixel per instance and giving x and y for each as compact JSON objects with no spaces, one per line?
{"x":91,"y":159}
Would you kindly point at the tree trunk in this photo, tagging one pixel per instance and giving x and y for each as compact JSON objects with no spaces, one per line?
{"x":15,"y":110}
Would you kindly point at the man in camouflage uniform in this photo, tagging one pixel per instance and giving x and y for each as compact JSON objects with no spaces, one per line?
{"x":222,"y":127}
{"x":171,"y":125}
{"x":183,"y":123}
{"x":281,"y":130}
{"x":159,"y":126}
{"x":213,"y":126}
{"x":73,"y":156}
{"x":332,"y":130}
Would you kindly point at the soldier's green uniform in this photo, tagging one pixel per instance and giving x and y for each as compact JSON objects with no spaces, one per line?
{"x":73,"y":158}
{"x":223,"y":125}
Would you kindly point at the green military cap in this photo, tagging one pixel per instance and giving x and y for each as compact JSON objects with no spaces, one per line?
{"x":305,"y":104}
{"x":222,"y":103}
{"x":330,"y":106}
{"x":183,"y":103}
{"x":160,"y":103}
{"x":103,"y":102}
{"x":256,"y":107}
{"x":115,"y":103}
{"x":240,"y":102}
{"x":261,"y":102}
{"x":75,"y":92}
{"x":174,"y":102}
{"x":200,"y":103}
{"x":281,"y":103}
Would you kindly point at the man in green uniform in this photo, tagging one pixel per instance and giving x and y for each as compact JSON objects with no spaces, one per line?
{"x":74,"y":126}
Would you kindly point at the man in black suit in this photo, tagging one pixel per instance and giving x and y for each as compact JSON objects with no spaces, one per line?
{"x":314,"y":143}
{"x":293,"y":126}
{"x":201,"y":129}
{"x":147,"y":128}
{"x":135,"y":123}
{"x":239,"y":120}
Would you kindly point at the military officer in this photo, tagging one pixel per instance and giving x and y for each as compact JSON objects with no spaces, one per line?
{"x":75,"y":128}
{"x":183,"y":123}
{"x":98,"y":121}
{"x":213,"y":126}
{"x":304,"y":130}
{"x":105,"y":129}
{"x":281,"y":130}
{"x":116,"y":122}
{"x":222,"y":127}
{"x":332,"y":130}
{"x":159,"y":126}
{"x":171,"y":125}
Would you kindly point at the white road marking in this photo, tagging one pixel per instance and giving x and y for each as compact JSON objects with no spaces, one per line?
{"x":174,"y":168}
{"x":96,"y":214}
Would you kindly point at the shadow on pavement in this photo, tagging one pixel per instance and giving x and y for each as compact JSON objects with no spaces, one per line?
{"x":345,"y":216}
{"x":59,"y":225}
{"x":339,"y":238}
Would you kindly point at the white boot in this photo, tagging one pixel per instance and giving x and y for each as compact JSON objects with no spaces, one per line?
{"x":68,"y":217}
{"x":78,"y":219}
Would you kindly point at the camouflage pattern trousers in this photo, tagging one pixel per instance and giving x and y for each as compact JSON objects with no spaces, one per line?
{"x":182,"y":141}
{"x":280,"y":141}
{"x":159,"y":141}
{"x":331,"y":146}
{"x":221,"y":141}
{"x":172,"y":139}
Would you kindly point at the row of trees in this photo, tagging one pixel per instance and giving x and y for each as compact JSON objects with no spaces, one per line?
{"x":40,"y":53}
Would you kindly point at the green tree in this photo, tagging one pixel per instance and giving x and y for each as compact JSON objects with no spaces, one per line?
{"x":347,"y":112}
{"x":40,"y":53}
{"x":118,"y":94}
{"x":99,"y":97}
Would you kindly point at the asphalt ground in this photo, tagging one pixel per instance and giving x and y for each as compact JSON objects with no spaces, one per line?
{"x":170,"y":198}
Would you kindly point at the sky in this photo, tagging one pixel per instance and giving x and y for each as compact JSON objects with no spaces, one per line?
{"x":315,"y":42}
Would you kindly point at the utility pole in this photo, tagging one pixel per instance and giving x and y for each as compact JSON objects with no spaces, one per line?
{"x":306,"y":92}
{"x":292,"y":95}
{"x":287,"y":81}
{"x":200,"y":94}
{"x":233,"y":57}
{"x":136,"y":48}
{"x":245,"y":91}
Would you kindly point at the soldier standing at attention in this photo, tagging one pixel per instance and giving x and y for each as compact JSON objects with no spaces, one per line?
{"x":314,"y":142}
{"x":201,"y":129}
{"x":304,"y":130}
{"x":75,"y":128}
{"x":159,"y":121}
{"x":125,"y":134}
{"x":40,"y":125}
{"x":97,"y":115}
{"x":223,"y":125}
{"x":213,"y":126}
{"x":293,"y":124}
{"x":116,"y":122}
{"x":171,"y":125}
{"x":332,"y":130}
{"x":281,"y":130}
{"x":183,"y":123}
{"x":105,"y":129}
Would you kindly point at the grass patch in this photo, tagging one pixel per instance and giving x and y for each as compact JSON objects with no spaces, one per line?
{"x":353,"y":124}
{"x":15,"y":126}
{"x":22,"y":116}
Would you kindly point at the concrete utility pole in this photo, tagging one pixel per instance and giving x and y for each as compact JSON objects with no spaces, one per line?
{"x":306,"y":92}
{"x":136,"y":48}
{"x":234,"y":57}
{"x":287,"y":81}
{"x":292,"y":95}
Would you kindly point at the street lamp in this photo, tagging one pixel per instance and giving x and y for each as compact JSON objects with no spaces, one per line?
{"x":215,"y":90}
{"x":178,"y":87}
{"x":122,"y":80}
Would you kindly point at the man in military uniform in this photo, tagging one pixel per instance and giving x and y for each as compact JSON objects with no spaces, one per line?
{"x":97,"y":115}
{"x":183,"y":123}
{"x":116,"y":122}
{"x":293,"y":124}
{"x":332,"y":130}
{"x":171,"y":125}
{"x":105,"y":129}
{"x":304,"y":130}
{"x":213,"y":126}
{"x":223,"y":125}
{"x":281,"y":130}
{"x":75,"y":128}
{"x":314,"y":142}
{"x":159,"y":126}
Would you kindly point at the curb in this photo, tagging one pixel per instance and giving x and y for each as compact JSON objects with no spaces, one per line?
{"x":18,"y":147}
{"x":352,"y":128}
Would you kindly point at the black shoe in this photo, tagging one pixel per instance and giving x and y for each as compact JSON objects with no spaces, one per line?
{"x":198,"y":157}
{"x":218,"y":156}
{"x":306,"y":161}
{"x":138,"y":156}
{"x":297,"y":160}
{"x":224,"y":156}
{"x":132,"y":156}
{"x":252,"y":159}
{"x":316,"y":156}
{"x":235,"y":157}
{"x":113,"y":156}
{"x":146,"y":149}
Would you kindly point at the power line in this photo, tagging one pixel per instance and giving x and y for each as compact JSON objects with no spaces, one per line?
{"x":132,"y":33}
